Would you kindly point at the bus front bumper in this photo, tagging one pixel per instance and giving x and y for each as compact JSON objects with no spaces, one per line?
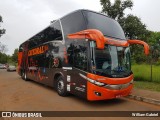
{"x":95,"y":92}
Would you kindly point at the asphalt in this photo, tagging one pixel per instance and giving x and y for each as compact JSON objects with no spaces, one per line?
{"x":147,"y":96}
{"x":19,"y":95}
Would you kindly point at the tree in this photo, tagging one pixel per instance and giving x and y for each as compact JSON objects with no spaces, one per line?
{"x":2,"y":31}
{"x":3,"y":58}
{"x":154,"y":41}
{"x":115,"y":11}
{"x":15,"y":55}
{"x":154,"y":38}
{"x":3,"y":48}
{"x":133,"y":27}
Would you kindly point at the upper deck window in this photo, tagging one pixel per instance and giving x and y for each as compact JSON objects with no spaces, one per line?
{"x":20,"y":48}
{"x":51,"y":33}
{"x":108,"y":26}
{"x":73,"y":22}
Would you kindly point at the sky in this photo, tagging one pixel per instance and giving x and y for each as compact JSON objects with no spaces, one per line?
{"x":24,"y":18}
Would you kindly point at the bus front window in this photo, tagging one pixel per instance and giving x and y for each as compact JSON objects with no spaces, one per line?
{"x":112,"y":61}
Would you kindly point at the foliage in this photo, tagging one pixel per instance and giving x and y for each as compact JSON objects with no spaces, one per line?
{"x":4,"y":58}
{"x":154,"y":38}
{"x":115,"y":11}
{"x":2,"y":31}
{"x":133,"y":27}
{"x":12,"y":60}
{"x":154,"y":41}
{"x":15,"y":55}
{"x":3,"y":48}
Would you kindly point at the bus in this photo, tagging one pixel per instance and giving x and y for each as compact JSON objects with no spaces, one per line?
{"x":84,"y":53}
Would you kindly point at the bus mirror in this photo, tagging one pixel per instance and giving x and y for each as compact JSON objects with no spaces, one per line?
{"x":146,"y":46}
{"x":91,"y":34}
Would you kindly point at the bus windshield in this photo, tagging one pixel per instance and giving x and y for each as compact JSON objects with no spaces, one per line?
{"x":112,"y":61}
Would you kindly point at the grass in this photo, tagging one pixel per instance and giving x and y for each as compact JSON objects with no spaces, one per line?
{"x":147,"y":85}
{"x":142,"y":72}
{"x":142,"y":77}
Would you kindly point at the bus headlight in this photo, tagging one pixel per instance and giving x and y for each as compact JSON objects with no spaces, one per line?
{"x":93,"y":81}
{"x":99,"y":83}
{"x":96,"y":82}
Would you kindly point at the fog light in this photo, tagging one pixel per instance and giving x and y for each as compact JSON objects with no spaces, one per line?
{"x":97,"y":93}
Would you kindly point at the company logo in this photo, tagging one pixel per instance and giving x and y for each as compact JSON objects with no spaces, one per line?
{"x":21,"y":114}
{"x":6,"y":114}
{"x":38,"y":50}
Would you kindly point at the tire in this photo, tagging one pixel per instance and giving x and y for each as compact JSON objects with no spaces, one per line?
{"x":61,"y":87}
{"x":24,"y":76}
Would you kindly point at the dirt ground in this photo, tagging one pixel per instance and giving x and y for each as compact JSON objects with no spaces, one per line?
{"x":19,"y":95}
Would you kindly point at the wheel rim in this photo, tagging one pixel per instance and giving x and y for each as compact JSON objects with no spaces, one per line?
{"x":22,"y":74}
{"x":60,"y":86}
{"x":25,"y":76}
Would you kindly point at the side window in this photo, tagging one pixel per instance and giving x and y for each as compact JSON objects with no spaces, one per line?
{"x":32,"y":44}
{"x":73,"y":23}
{"x":51,"y":33}
{"x":80,"y":55}
{"x":37,"y":61}
{"x":55,"y":32}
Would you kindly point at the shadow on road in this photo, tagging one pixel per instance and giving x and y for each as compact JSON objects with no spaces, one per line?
{"x":76,"y":99}
{"x":100,"y":103}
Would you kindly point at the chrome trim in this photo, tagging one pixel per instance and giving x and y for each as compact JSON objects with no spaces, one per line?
{"x":111,"y":87}
{"x":63,"y":41}
{"x":80,"y":70}
{"x":67,"y":68}
{"x":92,"y":81}
{"x":118,"y":87}
{"x":83,"y":76}
{"x":53,"y":41}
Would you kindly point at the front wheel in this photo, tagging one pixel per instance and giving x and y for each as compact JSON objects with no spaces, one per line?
{"x":61,"y":87}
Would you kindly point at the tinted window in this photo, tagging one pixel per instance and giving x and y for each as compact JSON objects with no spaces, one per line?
{"x":51,"y":33}
{"x":54,"y":32}
{"x":37,"y":61}
{"x":106,"y":25}
{"x":20,"y":48}
{"x":77,"y":54}
{"x":73,"y":23}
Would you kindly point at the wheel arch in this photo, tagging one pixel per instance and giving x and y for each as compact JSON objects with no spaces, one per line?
{"x":56,"y":76}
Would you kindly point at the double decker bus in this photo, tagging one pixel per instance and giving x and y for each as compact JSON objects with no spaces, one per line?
{"x":84,"y":53}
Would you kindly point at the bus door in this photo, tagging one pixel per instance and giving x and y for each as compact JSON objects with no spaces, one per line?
{"x":77,"y":57}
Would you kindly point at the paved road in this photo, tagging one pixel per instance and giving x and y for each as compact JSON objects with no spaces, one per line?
{"x":19,"y":95}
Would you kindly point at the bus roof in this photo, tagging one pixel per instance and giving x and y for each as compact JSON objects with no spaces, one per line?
{"x":79,"y":10}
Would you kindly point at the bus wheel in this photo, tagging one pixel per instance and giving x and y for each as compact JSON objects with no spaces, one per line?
{"x":24,"y":76}
{"x":61,"y":87}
